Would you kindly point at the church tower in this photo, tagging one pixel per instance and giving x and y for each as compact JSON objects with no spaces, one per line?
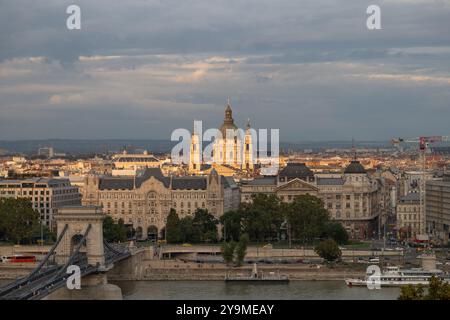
{"x":226,"y":149}
{"x":248,"y":149}
{"x":195,"y":154}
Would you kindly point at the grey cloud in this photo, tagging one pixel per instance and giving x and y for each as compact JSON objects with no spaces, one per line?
{"x":310,"y":68}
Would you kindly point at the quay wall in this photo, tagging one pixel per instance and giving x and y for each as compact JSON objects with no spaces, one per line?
{"x":176,"y":270}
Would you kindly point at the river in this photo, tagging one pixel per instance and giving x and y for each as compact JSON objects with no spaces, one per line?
{"x":209,"y":290}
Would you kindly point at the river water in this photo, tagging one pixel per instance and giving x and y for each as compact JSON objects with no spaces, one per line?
{"x":210,"y":290}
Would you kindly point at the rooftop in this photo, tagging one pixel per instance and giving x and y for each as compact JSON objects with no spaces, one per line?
{"x":355,"y":167}
{"x":296,"y":170}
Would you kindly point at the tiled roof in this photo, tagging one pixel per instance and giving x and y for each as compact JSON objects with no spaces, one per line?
{"x":330,"y":181}
{"x":296,"y":170}
{"x":262,"y":181}
{"x":189,"y":183}
{"x":355,"y":167}
{"x":412,"y":196}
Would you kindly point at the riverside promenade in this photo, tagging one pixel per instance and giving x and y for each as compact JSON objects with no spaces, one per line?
{"x":202,"y":262}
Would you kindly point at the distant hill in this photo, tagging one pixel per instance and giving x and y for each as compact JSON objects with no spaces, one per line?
{"x":74,"y":147}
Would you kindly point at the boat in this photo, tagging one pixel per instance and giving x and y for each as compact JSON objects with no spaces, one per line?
{"x":394,"y":276}
{"x":255,"y":276}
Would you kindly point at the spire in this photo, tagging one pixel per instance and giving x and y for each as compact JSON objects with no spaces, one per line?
{"x":353,"y":149}
{"x":248,"y":126}
{"x":228,"y":113}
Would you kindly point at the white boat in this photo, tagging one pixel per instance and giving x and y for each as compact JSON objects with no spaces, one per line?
{"x":395,"y":277}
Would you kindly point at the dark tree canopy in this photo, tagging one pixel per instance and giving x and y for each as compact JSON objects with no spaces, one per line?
{"x":335,"y":230}
{"x":328,"y":250}
{"x":114,"y":232}
{"x":437,"y":290}
{"x":173,"y":227}
{"x":18,"y":221}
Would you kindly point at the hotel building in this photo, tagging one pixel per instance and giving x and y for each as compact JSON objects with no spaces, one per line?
{"x":144,"y":201}
{"x":47,"y":195}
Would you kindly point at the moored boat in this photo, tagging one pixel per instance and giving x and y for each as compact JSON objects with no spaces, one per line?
{"x":395,"y":276}
{"x":256,"y":276}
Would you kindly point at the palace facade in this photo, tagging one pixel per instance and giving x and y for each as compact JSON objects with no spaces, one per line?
{"x":144,"y":201}
{"x":352,"y":197}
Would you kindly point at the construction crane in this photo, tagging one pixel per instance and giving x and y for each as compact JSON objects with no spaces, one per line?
{"x":424,"y":144}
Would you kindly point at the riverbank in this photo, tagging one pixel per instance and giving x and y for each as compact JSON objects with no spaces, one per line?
{"x":174,"y":270}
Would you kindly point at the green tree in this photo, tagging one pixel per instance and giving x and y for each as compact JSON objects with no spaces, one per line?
{"x":241,"y":250}
{"x":307,"y":218}
{"x":188,"y":232}
{"x":121,"y":231}
{"x":438,"y":290}
{"x":335,"y":231}
{"x":410,"y":292}
{"x":18,"y":220}
{"x":262,"y":218}
{"x":114,"y":232}
{"x":227,"y":250}
{"x":231,"y":225}
{"x":173,"y":231}
{"x":328,"y":249}
{"x":47,"y":234}
{"x":206,"y":224}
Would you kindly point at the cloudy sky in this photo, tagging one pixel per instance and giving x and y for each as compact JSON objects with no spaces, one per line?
{"x":141,"y":68}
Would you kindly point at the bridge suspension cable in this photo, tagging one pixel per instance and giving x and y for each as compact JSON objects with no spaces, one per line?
{"x":37,"y":272}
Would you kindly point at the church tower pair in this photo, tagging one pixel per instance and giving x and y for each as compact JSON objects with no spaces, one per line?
{"x":229,"y":149}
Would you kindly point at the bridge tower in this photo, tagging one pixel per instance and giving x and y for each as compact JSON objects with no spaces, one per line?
{"x":78,"y":223}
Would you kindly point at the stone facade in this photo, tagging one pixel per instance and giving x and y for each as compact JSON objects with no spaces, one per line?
{"x":47,"y":195}
{"x":437,"y":208}
{"x":408,"y":216}
{"x":78,"y":219}
{"x":352,"y":198}
{"x":145,"y":201}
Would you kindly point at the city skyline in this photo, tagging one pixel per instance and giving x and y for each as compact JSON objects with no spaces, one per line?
{"x":311,"y":69}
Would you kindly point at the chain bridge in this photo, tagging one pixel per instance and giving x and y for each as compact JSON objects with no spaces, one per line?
{"x":79,"y":242}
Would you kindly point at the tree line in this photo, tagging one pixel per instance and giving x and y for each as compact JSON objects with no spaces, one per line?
{"x":202,"y":227}
{"x":20,"y":224}
{"x":265,"y":219}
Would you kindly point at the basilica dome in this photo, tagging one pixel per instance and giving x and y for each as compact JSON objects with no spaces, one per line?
{"x":355,"y":167}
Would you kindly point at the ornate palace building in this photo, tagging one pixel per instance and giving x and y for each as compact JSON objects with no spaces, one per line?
{"x":144,"y":201}
{"x":351,"y":197}
{"x":46,"y":195}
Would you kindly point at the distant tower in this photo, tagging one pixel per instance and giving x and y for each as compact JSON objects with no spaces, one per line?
{"x":248,"y":149}
{"x":194,"y":154}
{"x":226,"y":149}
